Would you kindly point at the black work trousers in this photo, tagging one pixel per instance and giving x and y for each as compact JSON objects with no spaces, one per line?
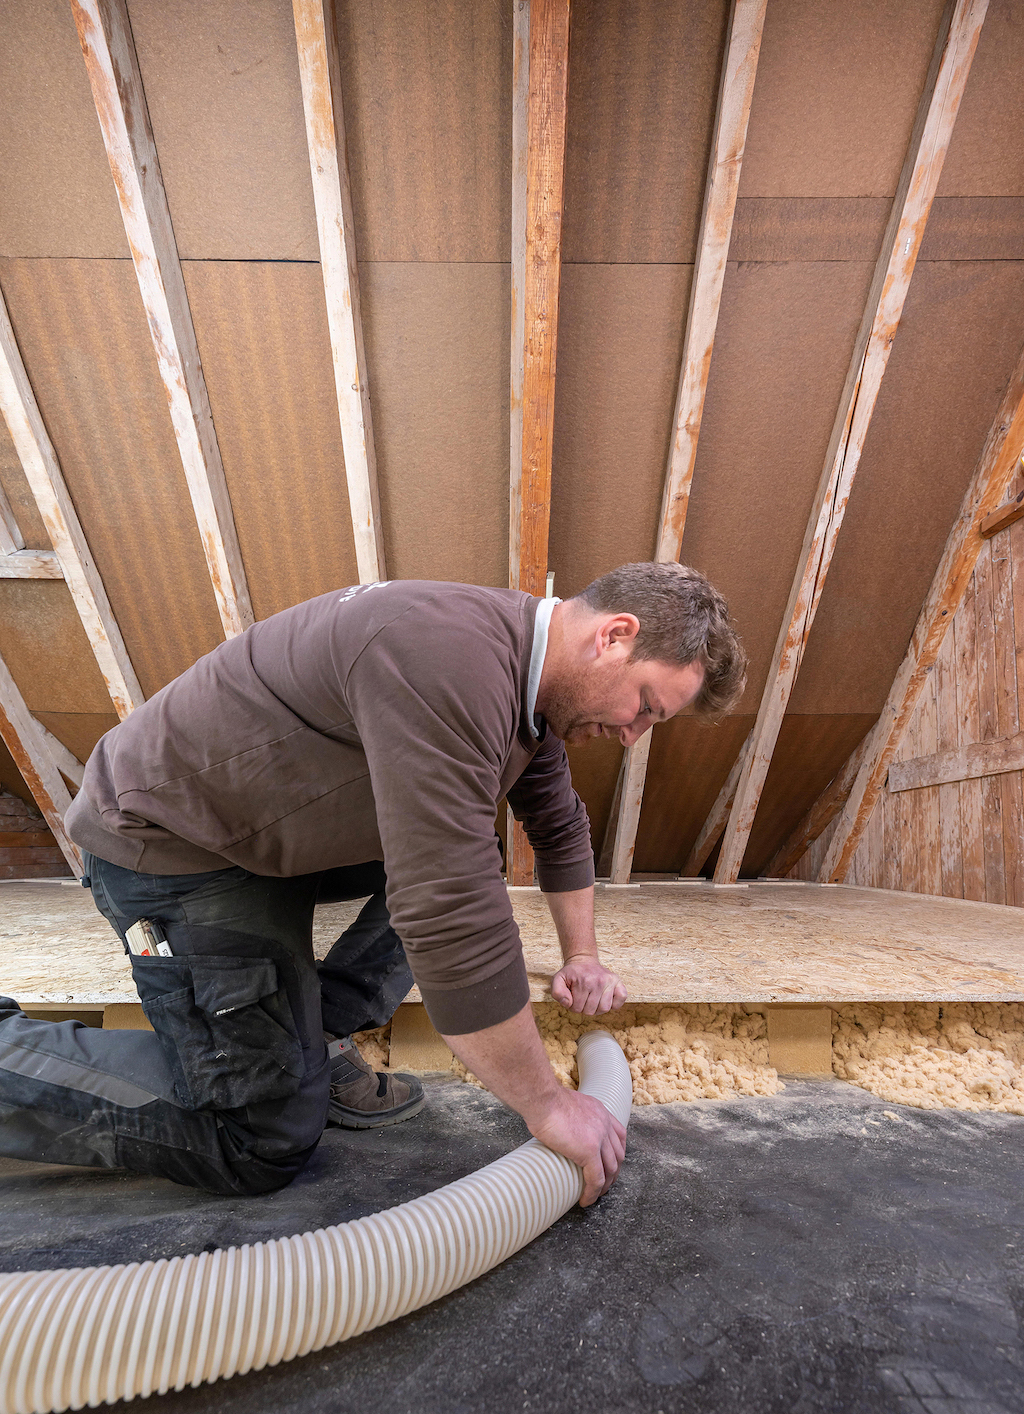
{"x":229,"y":1091}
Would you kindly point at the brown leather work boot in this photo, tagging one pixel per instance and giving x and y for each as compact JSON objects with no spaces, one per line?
{"x":364,"y":1099}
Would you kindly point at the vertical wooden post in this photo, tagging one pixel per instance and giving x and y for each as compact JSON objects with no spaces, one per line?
{"x":320,"y":73}
{"x":540,"y":74}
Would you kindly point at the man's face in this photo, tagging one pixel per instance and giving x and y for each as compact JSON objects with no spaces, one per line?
{"x":619,"y":698}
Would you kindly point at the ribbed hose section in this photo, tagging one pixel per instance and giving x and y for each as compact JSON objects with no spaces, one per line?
{"x":89,"y":1335}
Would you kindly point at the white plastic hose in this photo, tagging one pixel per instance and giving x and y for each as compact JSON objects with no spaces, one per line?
{"x":89,"y":1335}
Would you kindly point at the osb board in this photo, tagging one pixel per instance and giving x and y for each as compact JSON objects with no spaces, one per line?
{"x":43,"y":643}
{"x":669,"y":942}
{"x":619,"y":344}
{"x":643,"y":83}
{"x":785,"y":336}
{"x":59,"y":197}
{"x":427,"y":94}
{"x":986,"y":156}
{"x":958,"y":341}
{"x":837,"y":91}
{"x":809,"y":752}
{"x":222,"y":86}
{"x":83,"y":335}
{"x":437,"y":339}
{"x":262,"y":332}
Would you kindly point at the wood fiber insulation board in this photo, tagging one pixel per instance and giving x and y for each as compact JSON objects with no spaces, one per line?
{"x":428,"y":116}
{"x":619,"y":344}
{"x":86,"y":345}
{"x":595,"y":769}
{"x":783,"y":347}
{"x":437,"y":339}
{"x":836,"y":95}
{"x":19,"y":494}
{"x":958,"y":341}
{"x":222,"y":88}
{"x":58,"y":196}
{"x":79,"y":731}
{"x":643,"y":80}
{"x":262,"y":331}
{"x":986,"y":156}
{"x":44,"y":645}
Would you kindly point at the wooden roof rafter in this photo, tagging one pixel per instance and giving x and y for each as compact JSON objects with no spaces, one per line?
{"x":104,"y":31}
{"x":990,"y":483}
{"x":951,"y":64}
{"x":735,"y":95}
{"x":539,"y":106}
{"x":320,"y":74}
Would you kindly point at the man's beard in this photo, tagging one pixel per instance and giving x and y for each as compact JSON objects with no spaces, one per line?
{"x":570,"y":709}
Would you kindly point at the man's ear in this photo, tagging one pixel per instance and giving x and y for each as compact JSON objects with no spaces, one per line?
{"x":617,"y":633}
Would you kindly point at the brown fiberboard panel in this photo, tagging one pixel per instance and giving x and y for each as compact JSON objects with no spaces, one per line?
{"x":809,"y":752}
{"x":83,"y":334}
{"x":808,"y":228}
{"x":619,"y":344}
{"x":958,"y":340}
{"x":785,"y":335}
{"x":837,"y":91}
{"x":19,"y":494}
{"x":643,"y":83}
{"x":43,"y":643}
{"x":437,"y":341}
{"x":689,"y":763}
{"x":595,"y":769}
{"x":58,"y":195}
{"x":79,"y":731}
{"x":986,"y":154}
{"x":262,"y":331}
{"x":222,"y":85}
{"x":428,"y":116}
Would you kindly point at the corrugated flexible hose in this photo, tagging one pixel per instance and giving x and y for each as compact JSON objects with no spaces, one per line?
{"x":89,"y":1335}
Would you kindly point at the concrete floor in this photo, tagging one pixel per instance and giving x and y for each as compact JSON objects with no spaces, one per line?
{"x":784,"y":1256}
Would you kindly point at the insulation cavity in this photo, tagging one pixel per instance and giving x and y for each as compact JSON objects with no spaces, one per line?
{"x":934,"y":1055}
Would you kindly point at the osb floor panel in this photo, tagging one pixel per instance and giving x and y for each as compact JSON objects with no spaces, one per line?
{"x":669,"y":942}
{"x":821,"y":1252}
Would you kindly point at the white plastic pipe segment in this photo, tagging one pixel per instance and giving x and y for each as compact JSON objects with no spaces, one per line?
{"x":89,"y":1335}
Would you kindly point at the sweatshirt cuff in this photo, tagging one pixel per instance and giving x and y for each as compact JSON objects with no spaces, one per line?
{"x":474,"y":1008}
{"x":564,"y":878}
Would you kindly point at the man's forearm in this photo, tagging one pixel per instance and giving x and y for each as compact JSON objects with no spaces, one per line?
{"x":573,"y":915}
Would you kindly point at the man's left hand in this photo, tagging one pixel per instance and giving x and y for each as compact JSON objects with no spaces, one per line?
{"x":584,"y":985}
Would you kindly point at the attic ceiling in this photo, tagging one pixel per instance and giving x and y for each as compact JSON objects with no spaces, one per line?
{"x":427,"y":100}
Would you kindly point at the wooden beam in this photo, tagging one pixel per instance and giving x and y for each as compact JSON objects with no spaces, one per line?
{"x":940,"y":103}
{"x":74,"y":558}
{"x":30,"y":564}
{"x":66,"y":761}
{"x":965,"y":763}
{"x":710,"y":831}
{"x":539,"y":88}
{"x":1006,"y":515}
{"x":988,"y":487}
{"x":316,"y":37}
{"x":819,"y":817}
{"x":23,"y":737}
{"x":735,"y":94}
{"x":11,"y":538}
{"x":105,"y":34}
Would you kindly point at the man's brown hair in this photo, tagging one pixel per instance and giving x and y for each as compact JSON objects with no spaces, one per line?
{"x":683,"y":619}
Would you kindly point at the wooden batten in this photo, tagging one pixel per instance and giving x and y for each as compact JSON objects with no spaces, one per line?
{"x":320,"y":72}
{"x":26,"y":741}
{"x":109,"y":49}
{"x":71,"y":558}
{"x":949,"y":586}
{"x":66,"y":761}
{"x":11,"y":538}
{"x":540,"y":75}
{"x":1005,"y":516}
{"x":966,"y":763}
{"x":735,"y":95}
{"x":937,"y":113}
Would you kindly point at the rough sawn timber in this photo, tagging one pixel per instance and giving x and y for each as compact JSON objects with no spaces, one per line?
{"x":104,"y":31}
{"x":735,"y":93}
{"x":988,"y":486}
{"x":25,"y":740}
{"x":320,"y":72}
{"x":933,"y":129}
{"x":981,"y":758}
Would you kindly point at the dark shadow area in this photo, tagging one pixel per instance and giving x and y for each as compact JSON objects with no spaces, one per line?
{"x":819,"y":1251}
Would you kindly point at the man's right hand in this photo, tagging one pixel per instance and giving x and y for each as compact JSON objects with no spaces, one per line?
{"x":580,"y":1127}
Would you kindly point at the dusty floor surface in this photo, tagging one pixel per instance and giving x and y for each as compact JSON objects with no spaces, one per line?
{"x":820,"y":1250}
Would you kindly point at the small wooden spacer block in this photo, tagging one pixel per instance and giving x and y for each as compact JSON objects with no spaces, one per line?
{"x":415,"y":1045}
{"x":125,"y":1016}
{"x":800,"y":1041}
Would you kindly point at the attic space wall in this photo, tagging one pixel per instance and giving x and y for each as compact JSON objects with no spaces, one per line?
{"x":965,"y":838}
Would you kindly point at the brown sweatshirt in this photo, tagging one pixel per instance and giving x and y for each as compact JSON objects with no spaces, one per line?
{"x":379,"y":722}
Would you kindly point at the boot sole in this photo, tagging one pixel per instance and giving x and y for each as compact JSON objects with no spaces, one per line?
{"x":344,"y":1118}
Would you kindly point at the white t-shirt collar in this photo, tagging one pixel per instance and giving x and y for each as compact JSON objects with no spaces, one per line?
{"x":545,"y":609}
